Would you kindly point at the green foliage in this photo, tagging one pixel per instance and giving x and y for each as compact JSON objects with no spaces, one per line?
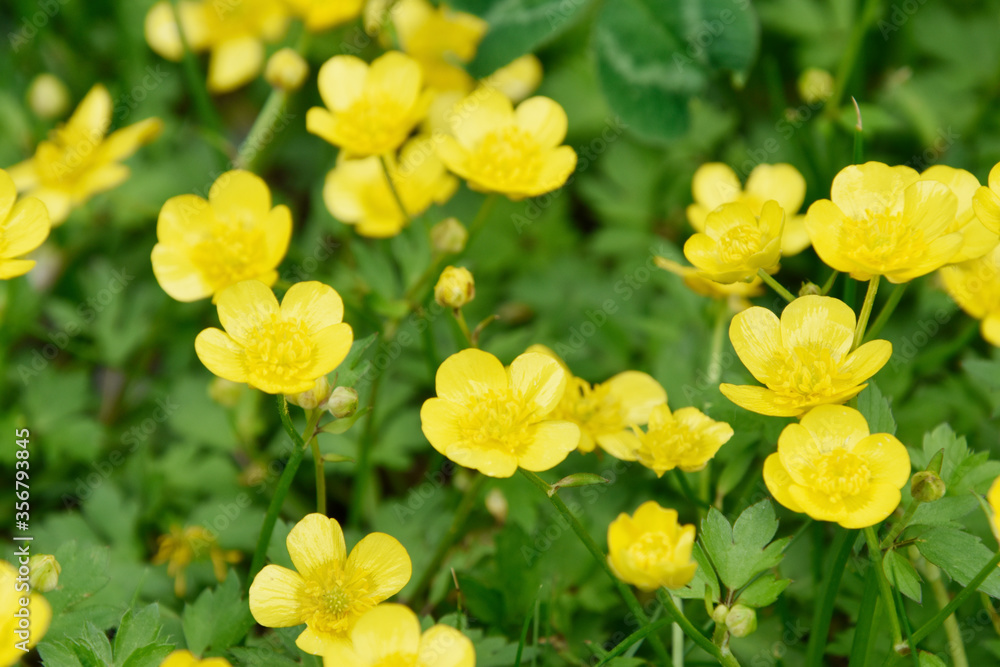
{"x":959,"y":554}
{"x":217,"y":619}
{"x":137,"y":643}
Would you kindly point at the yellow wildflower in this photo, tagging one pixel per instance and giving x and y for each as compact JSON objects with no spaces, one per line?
{"x":986,"y":201}
{"x":977,"y":240}
{"x":330,"y":590}
{"x":735,"y":293}
{"x":320,"y":15}
{"x":829,"y":467}
{"x":716,"y":184}
{"x":390,"y":634}
{"x":357,"y":192}
{"x":651,"y":550}
{"x":77,"y":161}
{"x":370,"y":109}
{"x":286,"y":70}
{"x":884,"y":221}
{"x":234,"y":31}
{"x":24,"y":225}
{"x":496,"y":419}
{"x":206,"y":246}
{"x":440,"y":39}
{"x":183,"y":546}
{"x":805,"y":359}
{"x":736,"y":242}
{"x":455,"y":288}
{"x":685,"y":439}
{"x":185,"y":658}
{"x":518,"y":79}
{"x":14,"y":630}
{"x":975,"y":286}
{"x":514,"y":152}
{"x":277,"y":349}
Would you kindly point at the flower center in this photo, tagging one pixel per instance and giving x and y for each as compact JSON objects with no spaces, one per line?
{"x":279,"y":349}
{"x":591,"y":406}
{"x":508,"y":157}
{"x":882,"y":239}
{"x":231,"y":251}
{"x":396,"y":660}
{"x":333,"y":602}
{"x":375,"y":123}
{"x":738,"y":243}
{"x":841,"y":474}
{"x":666,"y":447}
{"x":499,"y":420}
{"x":651,"y":550}
{"x":809,"y":371}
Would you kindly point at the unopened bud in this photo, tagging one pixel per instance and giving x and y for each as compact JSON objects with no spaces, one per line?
{"x":343,"y":402}
{"x":44,"y":572}
{"x":225,"y":392}
{"x":927,"y":486}
{"x":286,"y":70}
{"x":313,"y":398}
{"x":741,"y":620}
{"x":449,"y":236}
{"x":719,"y":614}
{"x":48,"y":96}
{"x":496,"y":504}
{"x":815,"y":85}
{"x":455,"y":287}
{"x":810,"y":289}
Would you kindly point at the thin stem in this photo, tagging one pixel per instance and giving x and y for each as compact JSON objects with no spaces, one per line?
{"x":859,"y":140}
{"x":828,"y":285}
{"x":634,"y":638}
{"x":202,"y":102}
{"x":454,"y":530}
{"x":363,"y":470}
{"x":601,"y":558}
{"x":482,"y":216}
{"x":886,"y":312}
{"x":955,"y":644}
{"x":392,"y":187}
{"x":253,"y":146}
{"x":908,"y":631}
{"x":723,"y":655}
{"x":320,"y":475}
{"x":677,"y":640}
{"x":957,"y":601}
{"x":823,"y":613}
{"x":861,"y":645}
{"x":898,"y":527}
{"x":866,"y":311}
{"x":776,"y":286}
{"x":875,"y":554}
{"x":460,"y":318}
{"x":846,"y":66}
{"x":688,"y":491}
{"x":714,"y":371}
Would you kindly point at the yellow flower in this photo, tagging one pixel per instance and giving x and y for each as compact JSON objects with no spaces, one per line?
{"x":736,"y":242}
{"x":975,"y":286}
{"x":12,"y":631}
{"x":986,"y":201}
{"x":321,"y":15}
{"x":370,"y":109}
{"x":233,"y":30}
{"x":24,"y":225}
{"x":390,"y":634}
{"x":185,"y":658}
{"x":357,"y":192}
{"x":277,"y":349}
{"x":286,"y":70}
{"x":518,"y":79}
{"x":496,"y":419}
{"x":206,"y":246}
{"x":440,"y":39}
{"x":884,"y":221}
{"x":805,"y":359}
{"x":977,"y":240}
{"x":181,"y":547}
{"x":651,"y":550}
{"x":77,"y":161}
{"x":498,"y":149}
{"x":993,"y":498}
{"x":716,"y":184}
{"x":735,"y":293}
{"x":330,"y":590}
{"x":455,"y":287}
{"x":606,"y":412}
{"x":829,"y":467}
{"x":685,"y":439}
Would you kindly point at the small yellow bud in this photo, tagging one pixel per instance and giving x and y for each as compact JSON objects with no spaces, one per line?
{"x":455,"y":287}
{"x":225,"y":392}
{"x":449,"y":236}
{"x":815,"y":85}
{"x":313,"y":398}
{"x":496,"y":505}
{"x":741,"y":620}
{"x":343,"y":402}
{"x":719,"y":614}
{"x":927,"y":486}
{"x":286,"y":70}
{"x":48,"y":96}
{"x":45,"y":571}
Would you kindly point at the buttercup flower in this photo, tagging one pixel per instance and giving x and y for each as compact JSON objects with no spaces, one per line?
{"x":206,"y":246}
{"x":321,"y":15}
{"x":357,"y":192}
{"x":185,"y":658}
{"x":390,"y":634}
{"x":498,"y":149}
{"x":805,"y":359}
{"x":716,"y":184}
{"x":651,"y":550}
{"x":455,"y":287}
{"x":233,"y":30}
{"x":183,"y":546}
{"x":975,"y":287}
{"x":77,"y":161}
{"x":685,"y":439}
{"x":977,"y":240}
{"x":735,"y":293}
{"x":439,"y":39}
{"x":986,"y":201}
{"x":330,"y":590}
{"x":883,"y":221}
{"x":24,"y":225}
{"x":736,"y":243}
{"x":371,"y":109}
{"x":11,"y":630}
{"x":829,"y":467}
{"x":277,"y":349}
{"x":496,"y":419}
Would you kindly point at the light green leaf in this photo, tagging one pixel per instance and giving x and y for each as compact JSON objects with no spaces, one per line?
{"x":877,"y":410}
{"x":763,"y":590}
{"x":741,"y":551}
{"x":959,"y":554}
{"x":900,"y":573}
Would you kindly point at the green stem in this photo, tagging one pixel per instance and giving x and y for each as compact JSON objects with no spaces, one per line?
{"x":890,"y":305}
{"x":202,"y":102}
{"x":908,"y":631}
{"x":630,"y":600}
{"x":957,"y":601}
{"x":363,"y":470}
{"x":460,"y":318}
{"x":875,"y":554}
{"x":392,"y":187}
{"x":677,"y":640}
{"x":462,"y":513}
{"x":823,"y":613}
{"x":776,"y":286}
{"x":846,"y":66}
{"x":898,"y":527}
{"x":320,"y":470}
{"x":861,"y":645}
{"x":253,"y":146}
{"x":723,"y":655}
{"x":866,"y":311}
{"x":714,"y":371}
{"x":482,"y":216}
{"x":828,"y":285}
{"x":688,"y":491}
{"x":633,"y":639}
{"x":955,"y":644}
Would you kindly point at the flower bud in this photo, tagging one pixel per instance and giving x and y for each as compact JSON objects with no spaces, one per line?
{"x":311,"y":398}
{"x":927,"y":486}
{"x":45,"y":571}
{"x":48,"y":96}
{"x":496,"y":504}
{"x":343,"y":402}
{"x":286,"y":70}
{"x":449,"y":236}
{"x":741,"y":620}
{"x":719,"y":614}
{"x":225,"y":392}
{"x":815,"y":85}
{"x":810,"y":289}
{"x":455,"y":287}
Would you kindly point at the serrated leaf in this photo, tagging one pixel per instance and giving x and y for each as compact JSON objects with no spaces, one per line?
{"x":218,"y":618}
{"x":960,"y":555}
{"x":877,"y":410}
{"x":703,"y":576}
{"x":261,"y":657}
{"x":136,"y":630}
{"x":148,"y":656}
{"x":54,"y":655}
{"x":763,"y":590}
{"x":92,"y":648}
{"x":944,"y":511}
{"x":962,"y":470}
{"x":741,"y":551}
{"x":901,"y":574}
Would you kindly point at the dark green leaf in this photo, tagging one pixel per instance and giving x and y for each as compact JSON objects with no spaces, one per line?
{"x":959,"y":554}
{"x":900,"y":573}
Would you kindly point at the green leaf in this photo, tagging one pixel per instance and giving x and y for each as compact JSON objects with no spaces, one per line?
{"x":218,"y":618}
{"x":900,"y":573}
{"x":877,"y":410}
{"x":763,"y":590}
{"x":962,"y":470}
{"x":703,"y":576}
{"x":57,"y":654}
{"x":944,"y":512}
{"x":137,"y":630}
{"x":959,"y":554}
{"x":262,"y":657}
{"x":148,"y":656}
{"x":986,"y":374}
{"x":342,"y":425}
{"x":92,"y":648}
{"x":741,"y":551}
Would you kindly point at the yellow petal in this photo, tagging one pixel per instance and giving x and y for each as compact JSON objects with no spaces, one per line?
{"x":795,"y":237}
{"x":637,"y":394}
{"x":465,"y":375}
{"x":558,"y":165}
{"x":440,"y":422}
{"x":621,"y":445}
{"x":397,"y":76}
{"x":341,"y":81}
{"x":871,"y":507}
{"x":322,"y":123}
{"x":779,"y":482}
{"x":277,"y":234}
{"x":818,"y":322}
{"x":886,"y":458}
{"x":8,"y":194}
{"x":761,"y":400}
{"x":25,"y":228}
{"x":317,"y":642}
{"x":241,"y":195}
{"x":990,"y":329}
{"x":779,"y":182}
{"x":484,"y":110}
{"x":544,"y":119}
{"x":824,"y":222}
{"x":221,"y":355}
{"x":929,"y":207}
{"x":122,"y":143}
{"x":276,"y":597}
{"x":715,"y":184}
{"x":551,"y":444}
{"x":313,"y":303}
{"x":385,"y":631}
{"x":12,"y":268}
{"x":538,"y":379}
{"x":91,"y":119}
{"x":490,"y":462}
{"x":316,"y":544}
{"x":331,"y":347}
{"x":383,"y":561}
{"x":178,"y":275}
{"x":234,"y":62}
{"x":444,"y":646}
{"x":834,"y":426}
{"x":244,"y":307}
{"x":341,"y":654}
{"x":756,"y":337}
{"x":867,"y":360}
{"x":986,"y":204}
{"x":872,"y":187}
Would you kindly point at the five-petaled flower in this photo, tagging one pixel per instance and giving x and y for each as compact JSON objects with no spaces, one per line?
{"x":686,"y":438}
{"x":651,"y":549}
{"x":737,"y":243}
